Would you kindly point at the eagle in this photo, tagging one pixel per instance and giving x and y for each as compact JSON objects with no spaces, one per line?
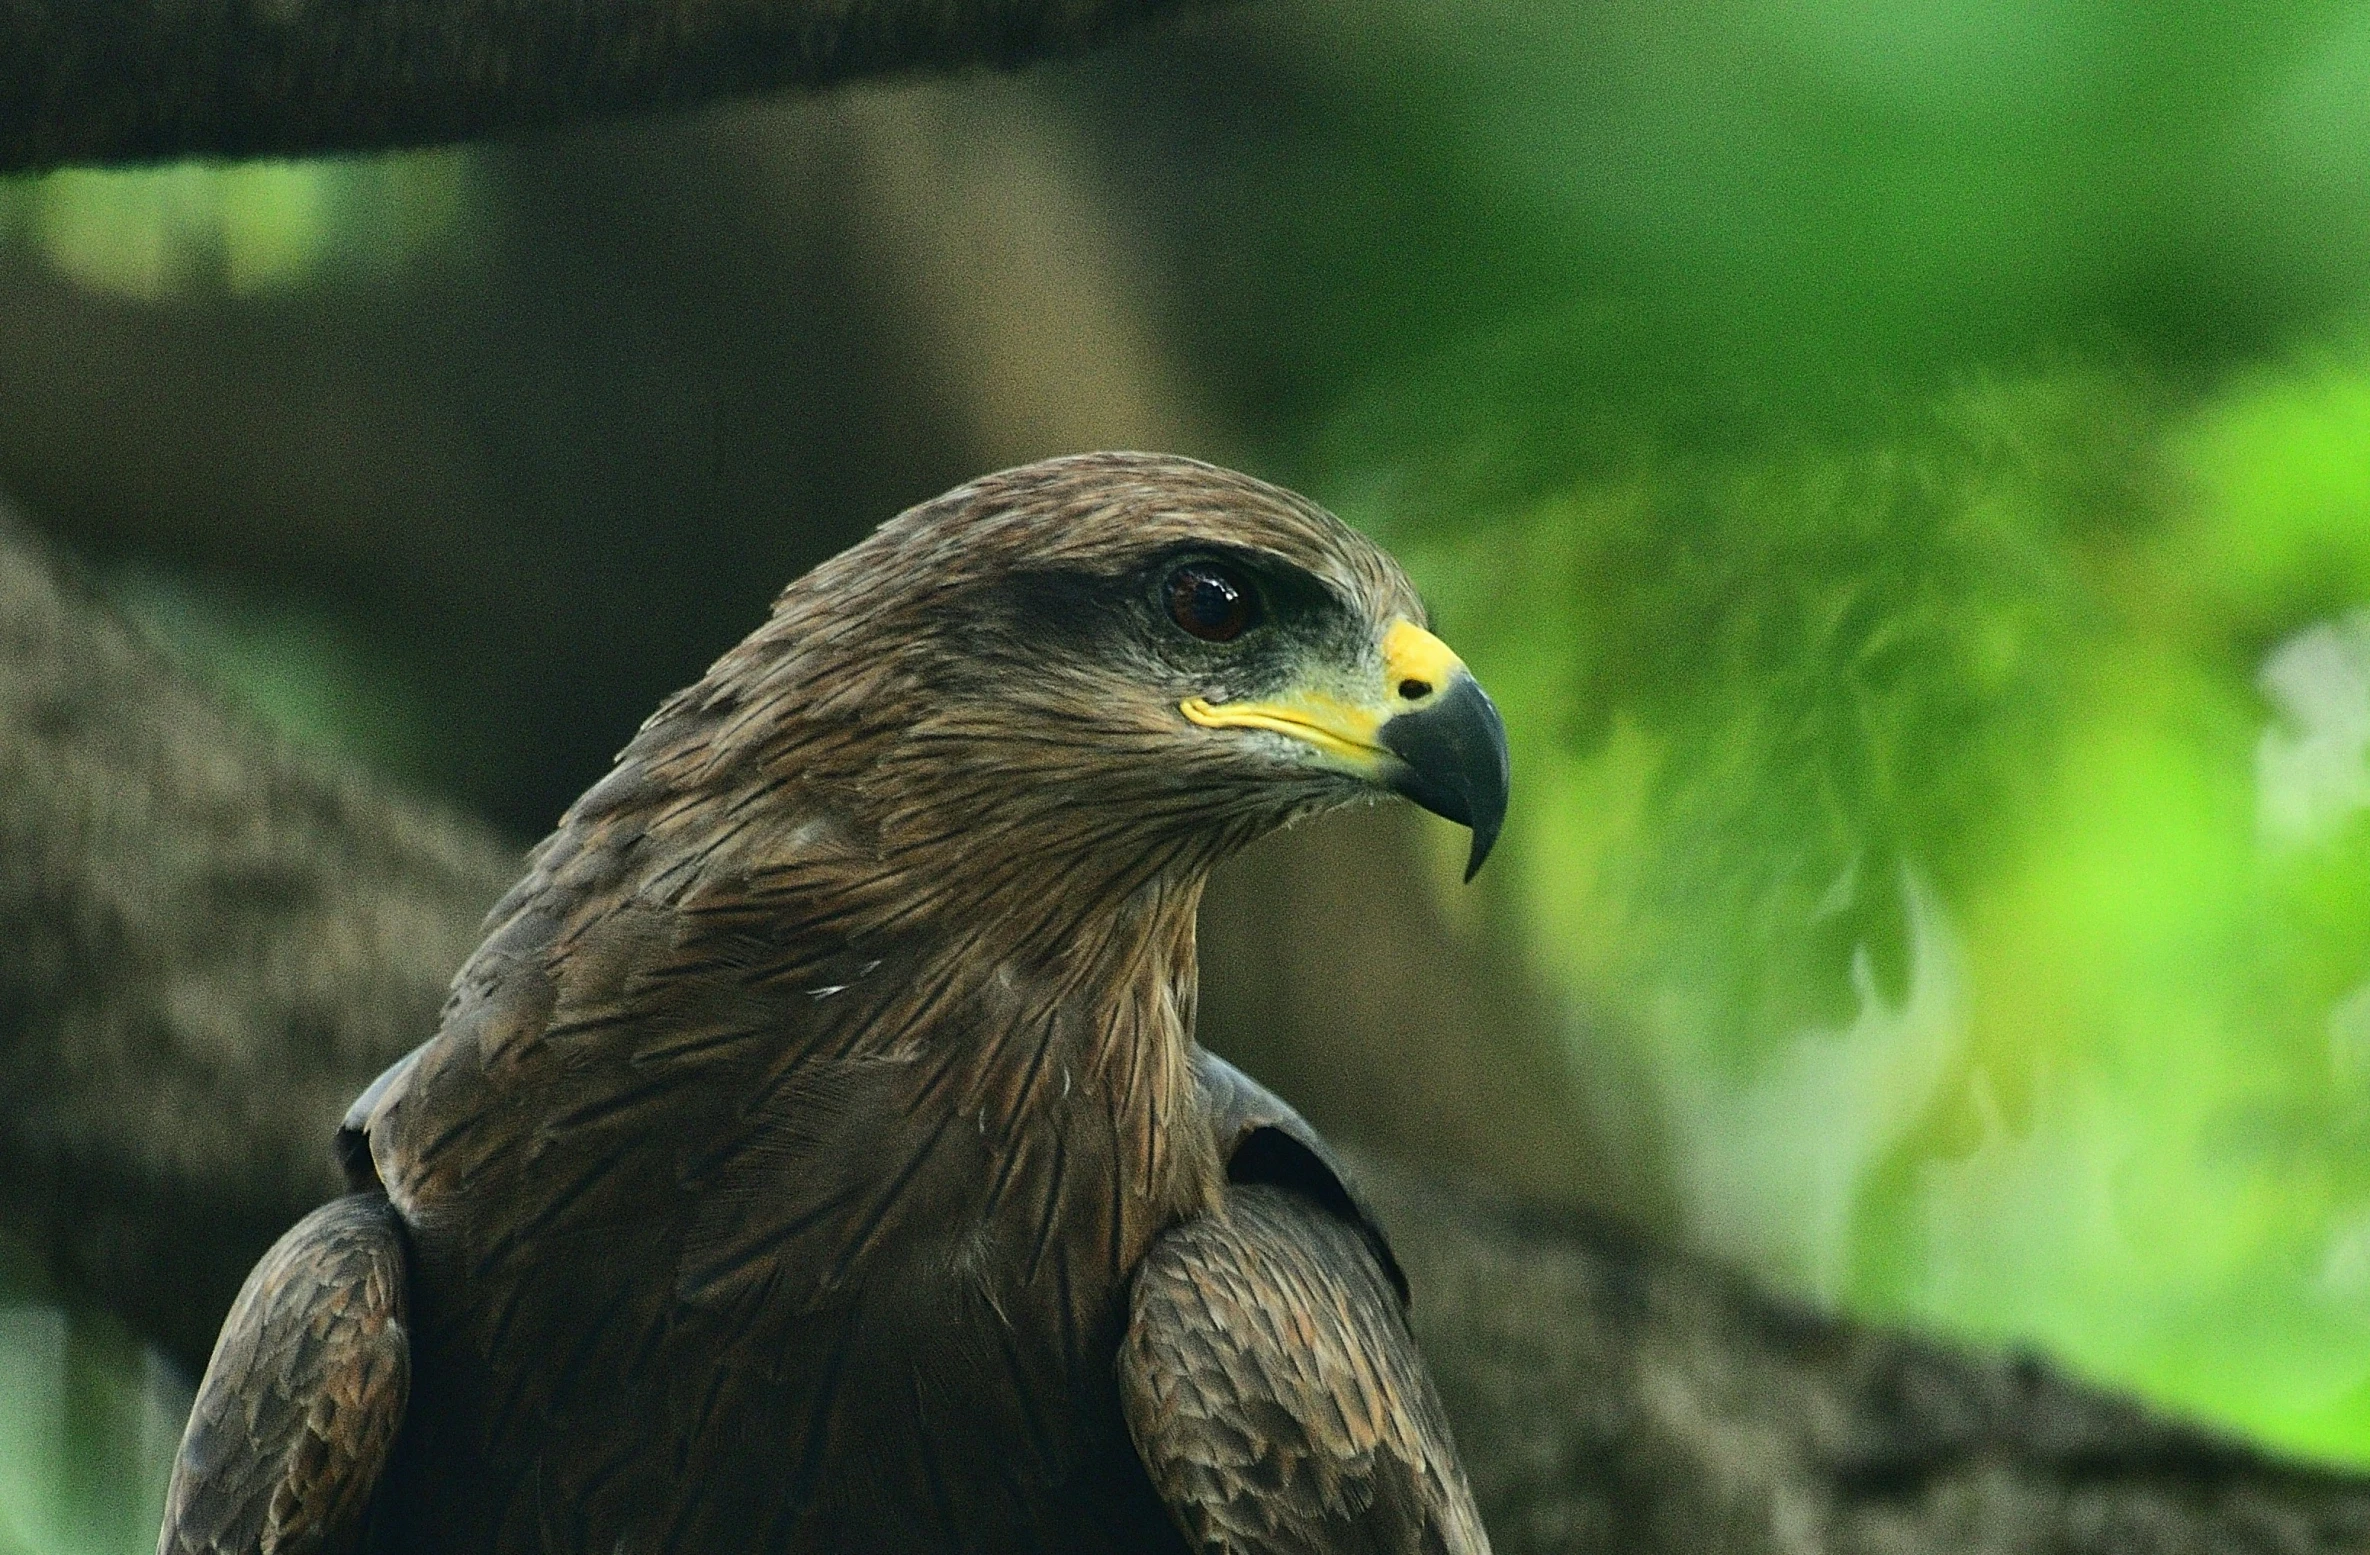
{"x":816,"y":1155}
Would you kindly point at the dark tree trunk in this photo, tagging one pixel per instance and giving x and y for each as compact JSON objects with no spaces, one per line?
{"x":120,"y":80}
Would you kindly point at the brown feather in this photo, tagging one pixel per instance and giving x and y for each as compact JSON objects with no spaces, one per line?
{"x":303,"y":1396}
{"x":1277,"y":1397}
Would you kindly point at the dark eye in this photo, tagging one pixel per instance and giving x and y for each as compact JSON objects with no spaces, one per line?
{"x":1211,"y":602}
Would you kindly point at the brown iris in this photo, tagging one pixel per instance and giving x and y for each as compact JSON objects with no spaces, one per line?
{"x":1211,"y":602}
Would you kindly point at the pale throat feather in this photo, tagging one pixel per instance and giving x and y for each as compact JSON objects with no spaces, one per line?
{"x":1129,"y":965}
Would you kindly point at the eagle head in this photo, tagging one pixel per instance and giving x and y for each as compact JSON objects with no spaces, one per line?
{"x":1111,"y":665}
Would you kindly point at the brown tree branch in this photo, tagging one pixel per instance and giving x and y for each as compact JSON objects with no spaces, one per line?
{"x":208,"y":942}
{"x":121,"y":80}
{"x":1611,"y":1395}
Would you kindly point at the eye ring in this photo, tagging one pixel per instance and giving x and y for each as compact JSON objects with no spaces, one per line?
{"x":1210,"y":601}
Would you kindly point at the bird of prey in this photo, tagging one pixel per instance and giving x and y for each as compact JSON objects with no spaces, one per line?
{"x":816,"y":1156}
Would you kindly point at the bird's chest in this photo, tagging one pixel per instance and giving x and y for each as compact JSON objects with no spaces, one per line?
{"x":876,"y":1300}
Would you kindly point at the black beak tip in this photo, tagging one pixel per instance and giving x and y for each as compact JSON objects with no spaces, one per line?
{"x":1484,"y":838}
{"x":1454,"y":764}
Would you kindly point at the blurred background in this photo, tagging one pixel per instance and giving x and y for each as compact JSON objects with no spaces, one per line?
{"x":1903,"y":467}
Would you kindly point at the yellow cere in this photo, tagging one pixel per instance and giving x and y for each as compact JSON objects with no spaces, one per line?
{"x":1350,"y":730}
{"x":1412,"y":654}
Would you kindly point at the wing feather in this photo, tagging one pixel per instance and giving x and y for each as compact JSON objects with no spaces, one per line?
{"x":302,"y":1399}
{"x":1276,"y":1396}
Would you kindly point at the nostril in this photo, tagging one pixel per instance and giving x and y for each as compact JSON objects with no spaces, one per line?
{"x":1415,"y":690}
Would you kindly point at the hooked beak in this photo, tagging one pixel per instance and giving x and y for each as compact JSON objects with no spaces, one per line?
{"x":1428,"y":732}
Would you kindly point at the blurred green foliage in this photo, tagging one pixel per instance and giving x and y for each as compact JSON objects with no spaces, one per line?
{"x":1971,"y":826}
{"x":1904,"y":468}
{"x":300,"y":669}
{"x":150,"y":232}
{"x":88,"y":1421}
